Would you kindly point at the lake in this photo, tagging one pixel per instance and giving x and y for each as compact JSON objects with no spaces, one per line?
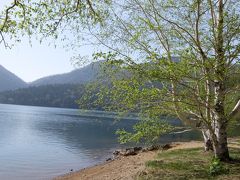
{"x":41,"y":143}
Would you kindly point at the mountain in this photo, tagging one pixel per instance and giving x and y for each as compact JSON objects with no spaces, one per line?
{"x":60,"y":90}
{"x":10,"y":81}
{"x":78,"y":76}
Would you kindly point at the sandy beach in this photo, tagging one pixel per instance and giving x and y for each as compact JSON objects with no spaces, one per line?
{"x":122,"y":168}
{"x":127,"y":167}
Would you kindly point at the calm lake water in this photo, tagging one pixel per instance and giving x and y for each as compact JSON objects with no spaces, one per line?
{"x":41,"y":143}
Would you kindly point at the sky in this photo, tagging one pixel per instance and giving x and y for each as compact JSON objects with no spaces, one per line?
{"x":30,"y":63}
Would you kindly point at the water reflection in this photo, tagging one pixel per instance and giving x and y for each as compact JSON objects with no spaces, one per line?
{"x":39,"y":143}
{"x":81,"y":134}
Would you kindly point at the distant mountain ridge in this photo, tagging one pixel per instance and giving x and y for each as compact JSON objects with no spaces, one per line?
{"x":10,"y":81}
{"x":61,"y":90}
{"x":79,"y":76}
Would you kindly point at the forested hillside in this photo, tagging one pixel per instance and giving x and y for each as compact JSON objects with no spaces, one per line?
{"x":64,"y":95}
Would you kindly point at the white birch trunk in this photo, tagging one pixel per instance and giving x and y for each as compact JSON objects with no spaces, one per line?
{"x":220,"y":144}
{"x":208,"y":145}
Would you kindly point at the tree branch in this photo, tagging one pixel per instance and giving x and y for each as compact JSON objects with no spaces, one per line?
{"x":236,"y":111}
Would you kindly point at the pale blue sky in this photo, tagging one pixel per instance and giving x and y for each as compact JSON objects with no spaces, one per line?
{"x":31,"y":63}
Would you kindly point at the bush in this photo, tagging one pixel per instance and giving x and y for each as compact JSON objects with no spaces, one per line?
{"x":217,"y":168}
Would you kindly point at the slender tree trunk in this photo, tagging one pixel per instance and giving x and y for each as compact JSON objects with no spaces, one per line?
{"x":208,"y":145}
{"x":220,"y":144}
{"x":219,"y":120}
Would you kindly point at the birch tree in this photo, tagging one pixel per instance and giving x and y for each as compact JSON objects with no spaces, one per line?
{"x":204,"y":36}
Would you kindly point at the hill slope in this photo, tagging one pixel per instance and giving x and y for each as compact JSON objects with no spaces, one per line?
{"x":10,"y":81}
{"x":78,"y":76}
{"x":61,"y":95}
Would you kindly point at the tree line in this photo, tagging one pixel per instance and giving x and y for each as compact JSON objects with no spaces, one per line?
{"x":63,"y":96}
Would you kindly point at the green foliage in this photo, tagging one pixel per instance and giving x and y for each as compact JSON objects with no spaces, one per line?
{"x":217,"y":168}
{"x":147,"y":130}
{"x":148,"y":35}
{"x":47,"y":18}
{"x":123,"y":90}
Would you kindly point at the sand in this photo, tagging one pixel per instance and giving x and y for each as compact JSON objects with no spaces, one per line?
{"x":123,"y":168}
{"x":127,"y":167}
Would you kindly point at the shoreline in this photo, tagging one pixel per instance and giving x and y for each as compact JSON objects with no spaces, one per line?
{"x":122,"y":167}
{"x":128,"y":167}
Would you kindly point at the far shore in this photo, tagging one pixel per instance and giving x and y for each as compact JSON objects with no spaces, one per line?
{"x":127,"y":167}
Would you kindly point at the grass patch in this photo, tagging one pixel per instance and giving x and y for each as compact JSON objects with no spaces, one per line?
{"x":190,"y":164}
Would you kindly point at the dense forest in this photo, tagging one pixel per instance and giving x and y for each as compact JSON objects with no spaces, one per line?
{"x":61,"y":95}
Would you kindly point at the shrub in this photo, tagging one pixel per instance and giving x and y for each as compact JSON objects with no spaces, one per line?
{"x":217,"y":168}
